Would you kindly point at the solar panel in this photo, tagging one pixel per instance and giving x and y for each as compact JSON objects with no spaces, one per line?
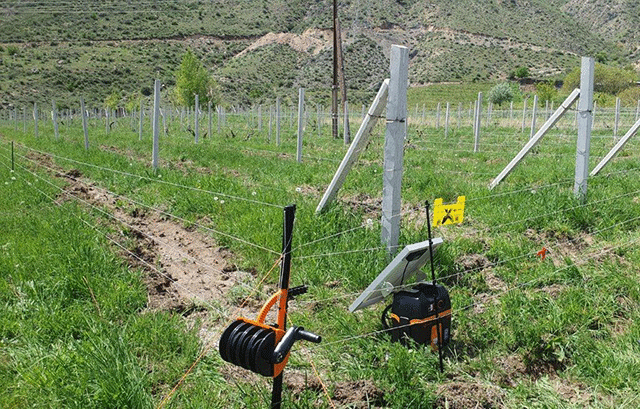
{"x":406,"y":263}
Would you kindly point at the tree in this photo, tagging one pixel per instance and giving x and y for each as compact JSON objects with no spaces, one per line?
{"x":112,"y":101}
{"x":546,"y":91}
{"x":501,"y":93}
{"x":192,"y":78}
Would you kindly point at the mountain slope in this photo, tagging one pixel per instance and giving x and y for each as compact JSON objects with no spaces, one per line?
{"x":61,"y":48}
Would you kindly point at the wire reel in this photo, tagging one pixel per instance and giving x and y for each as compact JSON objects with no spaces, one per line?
{"x":259,"y":347}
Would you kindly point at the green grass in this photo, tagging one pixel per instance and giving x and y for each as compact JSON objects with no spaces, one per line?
{"x":568,"y":323}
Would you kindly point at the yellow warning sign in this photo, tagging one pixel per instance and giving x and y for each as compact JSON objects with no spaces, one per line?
{"x":448,"y":213}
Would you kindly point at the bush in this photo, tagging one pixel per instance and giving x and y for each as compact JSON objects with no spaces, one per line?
{"x":521,"y":72}
{"x":546,"y":91}
{"x":501,"y":93}
{"x":611,"y":80}
{"x":630,"y":96}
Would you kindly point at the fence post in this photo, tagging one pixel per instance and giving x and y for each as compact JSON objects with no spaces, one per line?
{"x":593,"y":115}
{"x":163,"y":114}
{"x":394,"y":148}
{"x":524,"y":114}
{"x":35,"y":118}
{"x":446,"y":121}
{"x":196,"y":120}
{"x":318,"y":124}
{"x":141,"y":119}
{"x":345,"y":125}
{"x":24,"y":120}
{"x":84,"y":124}
{"x":270,"y":121}
{"x":106,"y":121}
{"x":585,"y":107}
{"x":534,"y":113}
{"x":219,"y":113}
{"x":617,"y":120}
{"x":156,"y":122}
{"x":209,"y":132}
{"x":546,"y":110}
{"x":278,"y":121}
{"x":511,"y":114}
{"x":300,"y":123}
{"x":477,"y":122}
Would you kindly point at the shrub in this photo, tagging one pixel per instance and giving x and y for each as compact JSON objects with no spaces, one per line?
{"x":546,"y":91}
{"x":501,"y":93}
{"x":630,"y":96}
{"x":611,"y":80}
{"x":521,"y":72}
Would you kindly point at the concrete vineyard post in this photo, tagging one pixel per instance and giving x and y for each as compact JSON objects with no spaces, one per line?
{"x":394,"y":148}
{"x":196,"y":120}
{"x":617,"y":120}
{"x":300,"y":124}
{"x":585,"y":107}
{"x":534,"y":112}
{"x":476,"y":130}
{"x":278,"y":121}
{"x":84,"y":124}
{"x":156,"y":122}
{"x":141,"y":119}
{"x":35,"y":119}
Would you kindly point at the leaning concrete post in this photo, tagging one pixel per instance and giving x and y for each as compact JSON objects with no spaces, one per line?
{"x":394,"y":147}
{"x":585,"y":107}
{"x":358,"y":144}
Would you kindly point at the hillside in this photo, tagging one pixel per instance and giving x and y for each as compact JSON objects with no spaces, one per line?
{"x":261,"y":49}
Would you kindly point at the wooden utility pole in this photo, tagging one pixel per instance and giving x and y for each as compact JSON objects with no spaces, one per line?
{"x":342,"y":82}
{"x":334,"y":87}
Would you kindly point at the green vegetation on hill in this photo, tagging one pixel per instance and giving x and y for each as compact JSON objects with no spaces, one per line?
{"x":60,"y":49}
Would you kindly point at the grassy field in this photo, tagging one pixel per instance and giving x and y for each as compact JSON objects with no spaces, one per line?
{"x":559,"y":332}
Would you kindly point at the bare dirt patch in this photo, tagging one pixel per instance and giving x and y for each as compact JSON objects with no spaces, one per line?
{"x":358,"y":394}
{"x":312,"y":40}
{"x":469,"y":394}
{"x":495,"y":286}
{"x":186,"y":270}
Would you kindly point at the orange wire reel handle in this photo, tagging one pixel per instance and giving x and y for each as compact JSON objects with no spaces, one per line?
{"x":263,"y":348}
